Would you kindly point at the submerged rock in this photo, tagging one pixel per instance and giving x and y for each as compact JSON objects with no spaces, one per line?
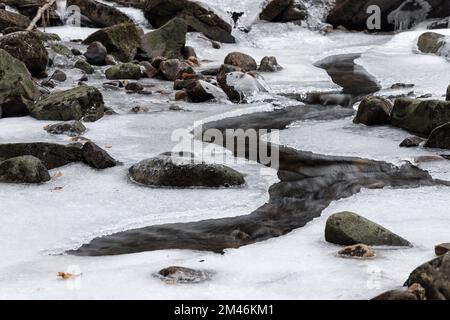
{"x":167,"y":171}
{"x":347,"y":228}
{"x":241,"y":60}
{"x":167,"y":41}
{"x":23,"y":169}
{"x":124,"y":71}
{"x":121,"y":40}
{"x":439,"y":137}
{"x":18,"y":92}
{"x":418,"y":116}
{"x":374,"y":111}
{"x":198,"y":17}
{"x":70,"y":128}
{"x":28,"y":48}
{"x":434,"y":276}
{"x":73,"y":104}
{"x":183,"y":275}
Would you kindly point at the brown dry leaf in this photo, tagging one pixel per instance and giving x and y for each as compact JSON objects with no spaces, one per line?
{"x":67,"y":276}
{"x":125,"y":83}
{"x":57,"y":174}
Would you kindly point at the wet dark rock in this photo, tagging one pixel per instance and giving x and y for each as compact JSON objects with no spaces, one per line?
{"x":167,"y":41}
{"x":420,"y":117}
{"x":241,"y":60}
{"x":96,"y":157}
{"x":283,"y":11}
{"x":124,"y":71}
{"x":447,"y":98}
{"x":414,"y":292}
{"x":73,"y":104}
{"x":439,"y":137}
{"x":110,"y":60}
{"x":353,"y":78}
{"x":440,"y":24}
{"x":347,"y":228}
{"x":397,"y":86}
{"x":198,"y":18}
{"x":100,"y":14}
{"x":360,"y":251}
{"x":411,"y":142}
{"x":96,"y":53}
{"x":121,"y":40}
{"x":164,"y":171}
{"x":431,"y":42}
{"x":134,"y":86}
{"x":434,"y":276}
{"x":84,"y":66}
{"x":374,"y":111}
{"x":23,"y":169}
{"x":171,"y":68}
{"x":71,"y":128}
{"x":199,"y":90}
{"x":59,"y":76}
{"x":188,"y":52}
{"x":149,"y":70}
{"x":352,"y":14}
{"x":269,"y":64}
{"x":442,"y":249}
{"x":28,"y":48}
{"x":76,"y":52}
{"x":10,"y":19}
{"x":18,"y":92}
{"x":183,"y":275}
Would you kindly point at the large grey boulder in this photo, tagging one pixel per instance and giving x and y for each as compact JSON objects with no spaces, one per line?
{"x":198,"y":17}
{"x":420,"y":116}
{"x":167,"y":41}
{"x":348,"y":228}
{"x":27,"y":47}
{"x":18,"y":92}
{"x":434,"y":276}
{"x":24,"y":169}
{"x":172,"y":171}
{"x":432,"y":42}
{"x":73,"y":104}
{"x":121,"y":40}
{"x":243,"y":61}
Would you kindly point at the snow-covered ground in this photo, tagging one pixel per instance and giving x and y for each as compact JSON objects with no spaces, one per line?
{"x":37,"y":223}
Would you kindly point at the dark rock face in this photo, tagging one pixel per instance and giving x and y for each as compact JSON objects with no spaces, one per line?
{"x":414,"y":292}
{"x":167,"y":41}
{"x":352,"y":14}
{"x":353,"y":78}
{"x":439,"y":137}
{"x":121,"y":40}
{"x":166,"y":171}
{"x":124,"y":71}
{"x":100,"y":14}
{"x":96,"y":53}
{"x":283,"y":11}
{"x":431,"y":42}
{"x":28,"y":48}
{"x":96,"y":157}
{"x":18,"y":92}
{"x":442,"y":249}
{"x":269,"y":64}
{"x":347,"y":228}
{"x":183,"y":275}
{"x":308,"y":184}
{"x":197,"y":17}
{"x":24,"y":169}
{"x":70,"y":128}
{"x":434,"y":276}
{"x":374,"y":111}
{"x":447,"y":98}
{"x":420,"y":117}
{"x":52,"y":155}
{"x":10,"y":19}
{"x":73,"y":104}
{"x":241,"y":60}
{"x":411,"y":142}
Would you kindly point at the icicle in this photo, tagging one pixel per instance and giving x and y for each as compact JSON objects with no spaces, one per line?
{"x":409,"y":14}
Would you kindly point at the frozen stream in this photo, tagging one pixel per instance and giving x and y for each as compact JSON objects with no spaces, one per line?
{"x":39,"y":222}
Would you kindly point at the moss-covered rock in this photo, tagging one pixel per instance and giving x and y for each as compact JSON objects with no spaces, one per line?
{"x":70,"y":128}
{"x":73,"y":104}
{"x":167,"y":41}
{"x":84,"y":65}
{"x":420,"y":116}
{"x":431,"y":42}
{"x":121,"y":40}
{"x":348,"y":228}
{"x":374,"y":111}
{"x":61,"y":49}
{"x":28,"y":48}
{"x":124,"y":71}
{"x":18,"y":92}
{"x":24,"y":169}
{"x":172,"y":171}
{"x":439,"y":137}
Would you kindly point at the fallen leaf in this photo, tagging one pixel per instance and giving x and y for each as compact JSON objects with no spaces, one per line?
{"x":67,"y":276}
